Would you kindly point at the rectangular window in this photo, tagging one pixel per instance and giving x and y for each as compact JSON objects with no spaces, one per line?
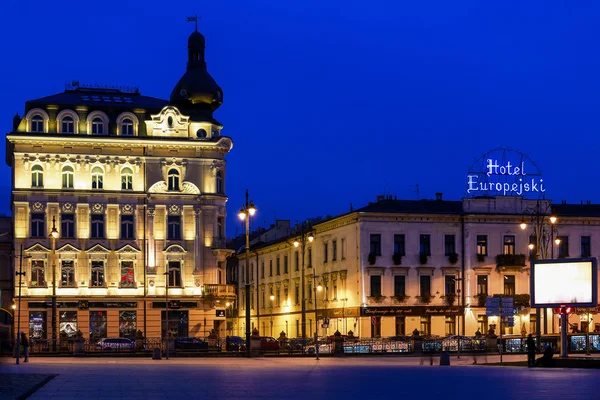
{"x":262,"y":269}
{"x":278,"y":266}
{"x":482,"y":284}
{"x":325,"y":255}
{"x":97,"y":222}
{"x":509,"y":284}
{"x":375,"y":244}
{"x":37,"y":325}
{"x":449,"y":245}
{"x":482,"y":324}
{"x":426,"y":325}
{"x":286,"y":296}
{"x":277,"y":298}
{"x":270,"y":267}
{"x":375,"y":327}
{"x":67,"y":324}
{"x":297,"y":259}
{"x":37,"y":273}
{"x":399,"y":285}
{"x":375,"y":285}
{"x":98,"y":320}
{"x":586,"y":246}
{"x":509,"y":245}
{"x":127,"y":227}
{"x":285,"y":264}
{"x":127,"y":324}
{"x":399,"y":245}
{"x":309,"y":257}
{"x":343,"y":249}
{"x":425,"y":285}
{"x":335,"y":292}
{"x":174,"y":274}
{"x":449,"y":284}
{"x":174,"y":227}
{"x":127,"y":276}
{"x":297,"y":294}
{"x":67,"y":273}
{"x":67,"y":226}
{"x":333,"y":250}
{"x":450,"y":325}
{"x":482,"y":248}
{"x":262,"y":296}
{"x":177,"y":324}
{"x":97,"y":274}
{"x":425,"y":245}
{"x":563,"y":246}
{"x":400,"y":326}
{"x":221,"y":227}
{"x":38,"y":226}
{"x":533,"y":323}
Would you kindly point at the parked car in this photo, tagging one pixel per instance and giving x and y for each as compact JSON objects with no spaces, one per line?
{"x":268,"y":343}
{"x":118,"y":344}
{"x":297,"y":344}
{"x":190,"y":343}
{"x":235,"y":343}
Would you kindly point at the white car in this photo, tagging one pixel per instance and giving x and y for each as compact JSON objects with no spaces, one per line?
{"x":119,"y":344}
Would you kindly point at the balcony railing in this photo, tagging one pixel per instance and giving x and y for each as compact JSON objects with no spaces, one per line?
{"x":510,"y":260}
{"x":213,"y":290}
{"x":219,"y":243}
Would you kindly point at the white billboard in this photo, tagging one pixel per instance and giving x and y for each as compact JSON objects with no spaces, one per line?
{"x":564,"y":282}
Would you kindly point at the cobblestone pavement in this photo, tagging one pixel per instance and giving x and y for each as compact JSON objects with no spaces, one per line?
{"x":302,"y":378}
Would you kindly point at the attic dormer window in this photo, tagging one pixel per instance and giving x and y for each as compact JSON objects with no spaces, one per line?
{"x":173,"y":179}
{"x":97,"y":126}
{"x":68,"y":125}
{"x":37,"y":124}
{"x":127,"y":127}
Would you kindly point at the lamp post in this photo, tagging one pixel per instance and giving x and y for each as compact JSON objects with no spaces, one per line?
{"x":54,"y":236}
{"x":245,"y":213}
{"x":317,"y":288}
{"x":305,"y":234}
{"x":20,"y":274}
{"x":272,"y":297}
{"x":539,"y":217}
{"x":227,"y":305}
{"x":167,"y":310}
{"x":459,"y":315}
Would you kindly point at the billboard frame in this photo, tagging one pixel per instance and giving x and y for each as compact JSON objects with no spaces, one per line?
{"x":594,"y":283}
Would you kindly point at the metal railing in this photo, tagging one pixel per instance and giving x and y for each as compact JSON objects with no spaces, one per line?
{"x":218,"y":290}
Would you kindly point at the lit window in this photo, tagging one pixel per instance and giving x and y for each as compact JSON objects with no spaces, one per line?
{"x":126,"y":179}
{"x":37,"y":274}
{"x":67,"y":125}
{"x":173,"y":179}
{"x":127,"y":276}
{"x":37,"y":124}
{"x":67,"y":177}
{"x":67,"y":274}
{"x":97,"y":126}
{"x":174,"y":274}
{"x":37,"y":176}
{"x":97,"y":274}
{"x":97,"y":178}
{"x":127,"y":127}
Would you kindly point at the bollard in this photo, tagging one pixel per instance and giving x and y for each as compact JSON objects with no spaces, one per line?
{"x":445,"y":358}
{"x":156,"y":353}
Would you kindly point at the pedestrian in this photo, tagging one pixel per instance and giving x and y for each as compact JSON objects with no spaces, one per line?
{"x":25,"y":344}
{"x":530,"y":351}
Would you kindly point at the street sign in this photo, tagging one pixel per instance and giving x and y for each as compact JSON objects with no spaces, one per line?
{"x":492,"y":313}
{"x":492,"y":302}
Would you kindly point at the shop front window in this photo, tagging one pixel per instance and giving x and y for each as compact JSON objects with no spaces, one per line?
{"x":37,"y":325}
{"x":68,"y":324}
{"x":127,"y":324}
{"x":97,"y":325}
{"x":127,"y":277}
{"x":177,"y":324}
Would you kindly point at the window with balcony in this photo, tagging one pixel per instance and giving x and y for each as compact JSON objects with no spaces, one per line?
{"x":425,"y":245}
{"x":399,"y":285}
{"x":482,"y":247}
{"x":375,"y":244}
{"x":375,"y":285}
{"x":449,"y":245}
{"x":509,"y":245}
{"x":399,"y":245}
{"x":586,"y":246}
{"x":425,"y":285}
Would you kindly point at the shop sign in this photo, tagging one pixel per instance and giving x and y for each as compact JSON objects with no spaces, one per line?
{"x":412,"y":311}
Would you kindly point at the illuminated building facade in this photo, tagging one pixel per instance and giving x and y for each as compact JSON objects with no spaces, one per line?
{"x":135,"y":187}
{"x":396,"y":266}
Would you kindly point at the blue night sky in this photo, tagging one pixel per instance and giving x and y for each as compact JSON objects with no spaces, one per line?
{"x":333,"y":102}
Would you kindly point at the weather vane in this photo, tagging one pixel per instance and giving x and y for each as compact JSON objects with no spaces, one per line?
{"x":194,"y":19}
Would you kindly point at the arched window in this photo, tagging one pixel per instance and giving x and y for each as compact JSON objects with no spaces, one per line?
{"x":97,"y":178}
{"x":37,"y":124}
{"x":126,"y":179}
{"x":127,"y":127}
{"x":219,"y":182}
{"x":97,"y":126}
{"x":67,"y":125}
{"x":67,"y":177}
{"x":173,"y":179}
{"x":37,"y":176}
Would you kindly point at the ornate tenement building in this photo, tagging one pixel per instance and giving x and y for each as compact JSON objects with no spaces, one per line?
{"x":394,"y":266}
{"x":135,"y":187}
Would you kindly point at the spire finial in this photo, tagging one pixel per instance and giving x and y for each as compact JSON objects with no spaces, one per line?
{"x":194,"y":19}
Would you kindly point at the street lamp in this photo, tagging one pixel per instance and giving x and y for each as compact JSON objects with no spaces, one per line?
{"x":306,"y":234}
{"x":245,"y":213}
{"x":54,"y":236}
{"x":167,"y":310}
{"x":272,"y":297}
{"x":317,"y":288}
{"x":227,"y":305}
{"x":20,"y":274}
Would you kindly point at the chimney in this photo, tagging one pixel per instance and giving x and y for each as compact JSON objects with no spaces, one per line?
{"x":380,"y":198}
{"x":16,"y":122}
{"x":438,"y":196}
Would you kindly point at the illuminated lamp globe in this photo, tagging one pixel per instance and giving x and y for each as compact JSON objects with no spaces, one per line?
{"x":523,"y":225}
{"x":553,"y":219}
{"x":557,"y":241}
{"x":531,"y":246}
{"x":272,"y":297}
{"x":242,"y":214}
{"x":296,"y":243}
{"x":311,"y":237}
{"x":251,"y":209}
{"x":319,"y":287}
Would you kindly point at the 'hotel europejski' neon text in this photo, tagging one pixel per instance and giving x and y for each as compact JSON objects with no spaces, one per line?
{"x":521,"y":184}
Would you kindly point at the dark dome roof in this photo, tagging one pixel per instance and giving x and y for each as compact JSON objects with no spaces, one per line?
{"x":197,"y":91}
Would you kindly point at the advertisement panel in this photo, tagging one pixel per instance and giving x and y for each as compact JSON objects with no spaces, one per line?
{"x":561,"y":282}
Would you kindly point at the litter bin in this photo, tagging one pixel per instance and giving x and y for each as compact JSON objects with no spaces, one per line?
{"x":156,"y":353}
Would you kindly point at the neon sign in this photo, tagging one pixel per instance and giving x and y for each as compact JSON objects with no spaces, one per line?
{"x":503,"y":178}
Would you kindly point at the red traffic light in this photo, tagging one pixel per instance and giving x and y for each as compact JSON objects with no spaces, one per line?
{"x":564,"y":310}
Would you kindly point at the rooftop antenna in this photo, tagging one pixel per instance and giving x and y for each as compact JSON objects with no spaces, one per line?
{"x":194,"y":19}
{"x":417,"y":190}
